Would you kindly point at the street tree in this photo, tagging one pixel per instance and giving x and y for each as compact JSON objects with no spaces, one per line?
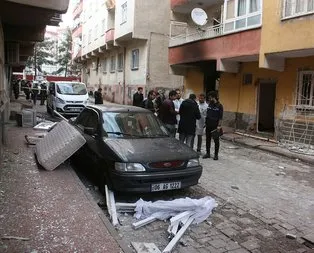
{"x":64,"y":54}
{"x":43,"y":55}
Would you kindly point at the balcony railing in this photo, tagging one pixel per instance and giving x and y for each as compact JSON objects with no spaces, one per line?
{"x":209,"y":32}
{"x":230,"y":26}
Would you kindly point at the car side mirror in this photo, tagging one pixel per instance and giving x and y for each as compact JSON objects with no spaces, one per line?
{"x":90,"y":130}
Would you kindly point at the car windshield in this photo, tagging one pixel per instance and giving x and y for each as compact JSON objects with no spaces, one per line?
{"x":71,"y":88}
{"x":133,"y":125}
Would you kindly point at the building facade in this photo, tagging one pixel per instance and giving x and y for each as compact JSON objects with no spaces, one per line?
{"x":22,"y":23}
{"x":259,"y":54}
{"x":125,"y":46}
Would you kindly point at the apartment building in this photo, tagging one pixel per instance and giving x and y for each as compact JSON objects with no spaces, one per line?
{"x":22,"y":23}
{"x":257,"y":53}
{"x":125,"y":46}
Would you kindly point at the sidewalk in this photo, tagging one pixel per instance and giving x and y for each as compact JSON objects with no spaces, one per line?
{"x":48,"y":211}
{"x":268,"y":146}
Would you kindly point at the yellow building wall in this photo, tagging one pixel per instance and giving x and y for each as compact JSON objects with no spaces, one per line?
{"x":243,"y":98}
{"x":284,"y":35}
{"x":193,"y":82}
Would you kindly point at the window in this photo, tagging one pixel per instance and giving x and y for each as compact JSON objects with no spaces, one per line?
{"x":112,"y":64}
{"x":242,"y":14}
{"x":305,"y":94}
{"x":104,"y":65}
{"x":135,"y":59}
{"x":124,"y":10}
{"x":294,"y":8}
{"x":120,"y":62}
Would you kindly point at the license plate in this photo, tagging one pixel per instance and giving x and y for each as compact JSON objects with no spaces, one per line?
{"x":165,"y":186}
{"x":75,"y":109}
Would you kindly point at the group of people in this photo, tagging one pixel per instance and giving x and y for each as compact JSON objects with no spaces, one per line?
{"x":188,"y":118}
{"x":30,"y":89}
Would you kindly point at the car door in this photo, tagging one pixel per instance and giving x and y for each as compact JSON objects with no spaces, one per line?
{"x":89,"y":124}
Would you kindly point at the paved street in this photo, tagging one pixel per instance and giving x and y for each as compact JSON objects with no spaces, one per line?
{"x":262,"y":197}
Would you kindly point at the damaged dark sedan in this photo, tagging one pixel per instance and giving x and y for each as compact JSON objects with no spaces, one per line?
{"x":130,"y":150}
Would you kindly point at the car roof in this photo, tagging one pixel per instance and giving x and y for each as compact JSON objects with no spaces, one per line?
{"x":111,"y":107}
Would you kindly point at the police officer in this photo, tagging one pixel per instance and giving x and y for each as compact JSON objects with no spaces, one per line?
{"x":213,"y":123}
{"x":43,"y":93}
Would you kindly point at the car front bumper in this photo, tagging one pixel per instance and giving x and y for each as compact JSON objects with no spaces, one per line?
{"x":142,"y":182}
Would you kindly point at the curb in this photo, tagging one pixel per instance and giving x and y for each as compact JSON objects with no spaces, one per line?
{"x":111,"y":229}
{"x":275,"y":150}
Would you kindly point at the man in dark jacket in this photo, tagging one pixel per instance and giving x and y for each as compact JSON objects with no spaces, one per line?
{"x":98,"y":96}
{"x":138,"y":97}
{"x":167,"y":113}
{"x":213,"y":123}
{"x":148,"y":102}
{"x":189,"y":113}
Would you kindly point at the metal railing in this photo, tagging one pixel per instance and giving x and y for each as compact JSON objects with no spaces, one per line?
{"x":206,"y":33}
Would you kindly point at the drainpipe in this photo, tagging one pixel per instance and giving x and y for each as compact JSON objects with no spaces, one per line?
{"x":123,"y":78}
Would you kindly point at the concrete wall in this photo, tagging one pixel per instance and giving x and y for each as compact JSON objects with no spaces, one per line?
{"x":151,"y":16}
{"x":244,"y":43}
{"x":194,"y":82}
{"x":123,"y":28}
{"x":240,"y":101}
{"x":94,"y":12}
{"x":157,"y":64}
{"x":284,"y":35}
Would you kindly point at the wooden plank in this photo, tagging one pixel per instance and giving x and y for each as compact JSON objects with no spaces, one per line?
{"x":177,"y":237}
{"x":144,"y":222}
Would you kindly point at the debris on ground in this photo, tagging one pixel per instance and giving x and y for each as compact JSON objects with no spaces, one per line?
{"x":291,"y":236}
{"x":180,"y":212}
{"x":58,"y":145}
{"x":7,"y":237}
{"x":234,"y":187}
{"x":142,"y":247}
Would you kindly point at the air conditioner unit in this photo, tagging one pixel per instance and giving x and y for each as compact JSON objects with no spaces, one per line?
{"x":12,"y":53}
{"x":28,"y":118}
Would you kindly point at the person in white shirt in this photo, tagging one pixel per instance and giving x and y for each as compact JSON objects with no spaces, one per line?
{"x":200,"y":124}
{"x":177,"y":103}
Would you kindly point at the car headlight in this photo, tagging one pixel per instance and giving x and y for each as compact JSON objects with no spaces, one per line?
{"x":61,"y":101}
{"x":129,"y":167}
{"x":193,"y":163}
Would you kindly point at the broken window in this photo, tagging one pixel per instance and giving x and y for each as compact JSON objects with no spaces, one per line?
{"x":305,"y":95}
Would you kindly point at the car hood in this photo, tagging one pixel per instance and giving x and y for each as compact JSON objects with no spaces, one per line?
{"x":150,"y":149}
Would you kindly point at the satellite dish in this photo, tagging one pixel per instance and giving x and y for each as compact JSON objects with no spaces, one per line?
{"x":199,"y":16}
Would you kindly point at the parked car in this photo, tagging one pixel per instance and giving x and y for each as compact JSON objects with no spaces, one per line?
{"x":66,"y":97}
{"x":130,"y":150}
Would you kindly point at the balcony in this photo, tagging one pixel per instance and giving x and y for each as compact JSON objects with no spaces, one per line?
{"x":186,"y":6}
{"x":78,"y":10}
{"x":226,"y":50}
{"x":187,"y":35}
{"x":110,"y":36}
{"x":59,"y":6}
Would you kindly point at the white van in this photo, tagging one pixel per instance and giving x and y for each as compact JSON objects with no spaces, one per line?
{"x":66,"y":97}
